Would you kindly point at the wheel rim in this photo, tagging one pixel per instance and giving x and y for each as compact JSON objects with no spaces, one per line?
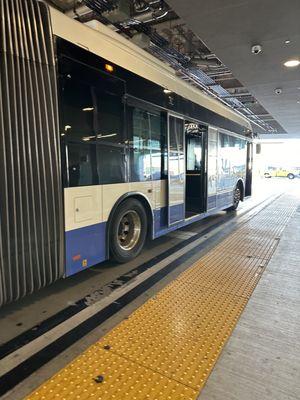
{"x":129,"y":230}
{"x":237,"y":196}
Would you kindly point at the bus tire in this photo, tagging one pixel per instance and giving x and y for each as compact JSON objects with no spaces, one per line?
{"x":291,"y":176}
{"x":128,"y":231}
{"x":236,"y":199}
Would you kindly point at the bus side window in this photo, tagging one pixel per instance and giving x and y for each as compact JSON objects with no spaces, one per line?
{"x":92,"y":125}
{"x":77,"y":127}
{"x":82,"y":164}
{"x":140,"y":150}
{"x":111,"y":163}
{"x":77,"y":110}
{"x":109,"y":122}
{"x":146,"y":142}
{"x":225,"y":159}
{"x":109,"y":112}
{"x":158,"y":126}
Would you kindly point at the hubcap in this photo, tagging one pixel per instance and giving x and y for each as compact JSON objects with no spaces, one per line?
{"x":129,"y":230}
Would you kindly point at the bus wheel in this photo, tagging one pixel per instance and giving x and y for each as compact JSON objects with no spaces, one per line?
{"x":291,"y":176}
{"x":236,"y":199}
{"x":128,"y":231}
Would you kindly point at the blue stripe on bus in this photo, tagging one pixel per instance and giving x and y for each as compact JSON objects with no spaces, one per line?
{"x":176,"y":213}
{"x":85,"y":247}
{"x":224,"y":198}
{"x":211,"y":202}
{"x":216,"y":203}
{"x":219,"y":200}
{"x":161,"y":217}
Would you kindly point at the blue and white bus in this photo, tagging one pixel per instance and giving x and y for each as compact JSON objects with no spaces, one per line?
{"x":101,"y":146}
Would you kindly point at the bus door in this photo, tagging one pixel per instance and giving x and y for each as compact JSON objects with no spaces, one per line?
{"x":195,"y":192}
{"x":176,"y":170}
{"x":248,"y":186}
{"x":212,"y":168}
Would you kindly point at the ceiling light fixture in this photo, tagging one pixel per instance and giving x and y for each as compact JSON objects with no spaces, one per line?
{"x":167,"y":91}
{"x":292,"y":63}
{"x":88,"y":109}
{"x":287,"y":41}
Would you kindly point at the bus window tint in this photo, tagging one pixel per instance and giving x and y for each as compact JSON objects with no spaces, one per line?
{"x":140,"y":146}
{"x":82,"y":162}
{"x":109,"y":112}
{"x":155,"y":145}
{"x":232,"y":160}
{"x":77,"y":111}
{"x":109,"y":119}
{"x":111,"y":164}
{"x":146,"y":139}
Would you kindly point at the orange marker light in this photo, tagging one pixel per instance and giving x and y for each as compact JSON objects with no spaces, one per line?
{"x":109,"y":68}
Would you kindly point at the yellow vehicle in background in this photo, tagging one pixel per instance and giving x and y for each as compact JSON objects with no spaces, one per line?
{"x":289,"y":173}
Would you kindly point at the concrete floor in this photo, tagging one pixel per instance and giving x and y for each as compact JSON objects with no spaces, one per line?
{"x":261,"y":360}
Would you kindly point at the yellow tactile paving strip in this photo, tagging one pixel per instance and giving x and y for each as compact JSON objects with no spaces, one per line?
{"x":123,"y":379}
{"x":185,"y":338}
{"x":167,"y":348}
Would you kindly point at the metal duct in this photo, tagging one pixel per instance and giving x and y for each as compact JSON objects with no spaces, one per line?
{"x":63,"y":4}
{"x":31,"y":220}
{"x":101,"y":6}
{"x":202,"y":80}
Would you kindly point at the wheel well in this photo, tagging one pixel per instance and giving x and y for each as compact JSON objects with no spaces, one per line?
{"x":240,"y":185}
{"x":148,"y":210}
{"x":146,"y":206}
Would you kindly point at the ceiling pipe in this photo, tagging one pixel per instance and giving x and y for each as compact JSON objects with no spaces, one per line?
{"x":78,"y":11}
{"x":250,"y":116}
{"x":145,"y":17}
{"x":150,"y":17}
{"x":237,"y":95}
{"x":62,"y":4}
{"x":220,"y":75}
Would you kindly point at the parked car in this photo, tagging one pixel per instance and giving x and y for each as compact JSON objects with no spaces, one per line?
{"x":289,"y":173}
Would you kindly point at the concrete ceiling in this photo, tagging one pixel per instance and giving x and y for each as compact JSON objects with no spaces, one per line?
{"x":231,"y":27}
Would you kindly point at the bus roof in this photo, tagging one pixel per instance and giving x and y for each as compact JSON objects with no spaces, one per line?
{"x":104,"y":42}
